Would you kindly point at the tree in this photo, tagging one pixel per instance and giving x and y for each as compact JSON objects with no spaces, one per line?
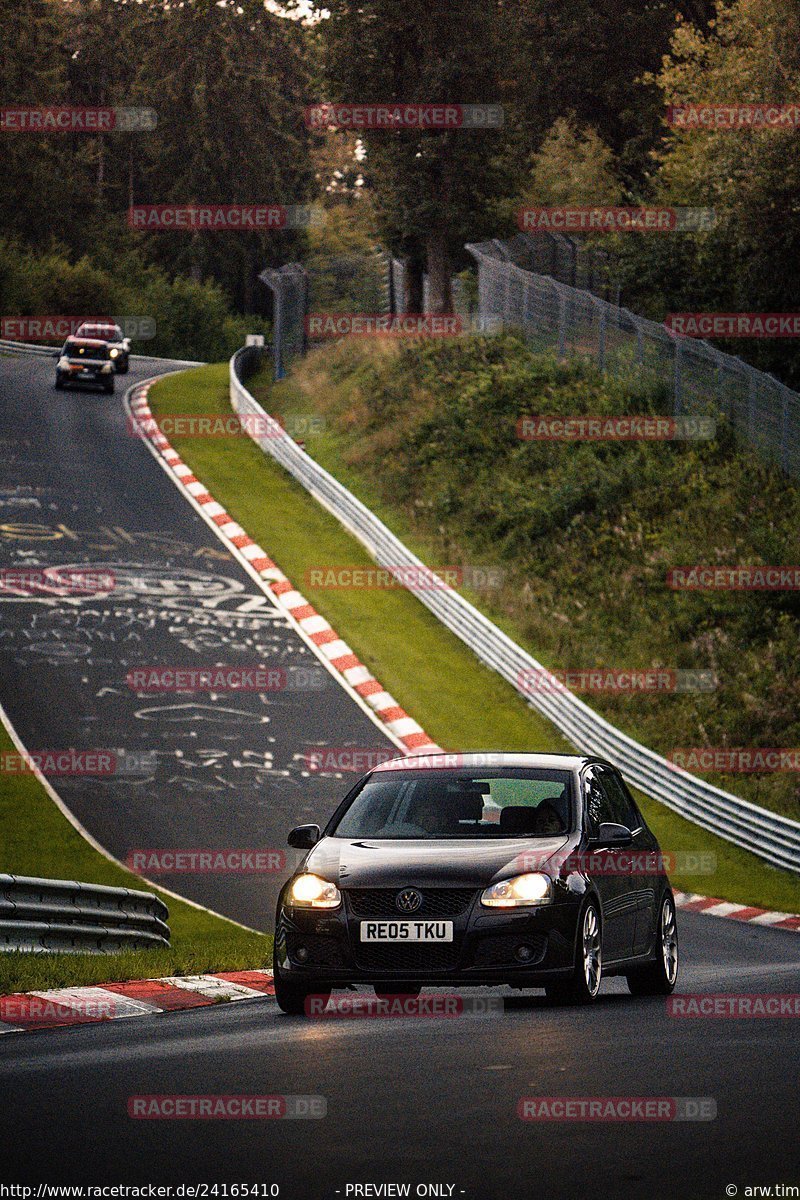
{"x":751,"y":178}
{"x":434,"y":189}
{"x":229,"y":82}
{"x":574,"y":166}
{"x":37,"y":196}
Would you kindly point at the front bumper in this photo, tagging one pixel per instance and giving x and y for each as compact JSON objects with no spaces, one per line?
{"x":90,"y":378}
{"x":485,"y":949}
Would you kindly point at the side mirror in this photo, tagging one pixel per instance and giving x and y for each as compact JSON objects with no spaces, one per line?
{"x":303,"y":837}
{"x":611,"y":834}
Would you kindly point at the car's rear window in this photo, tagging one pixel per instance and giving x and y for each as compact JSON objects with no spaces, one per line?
{"x":501,"y":803}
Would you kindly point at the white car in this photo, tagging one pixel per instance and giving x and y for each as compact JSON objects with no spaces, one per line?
{"x":119,"y":346}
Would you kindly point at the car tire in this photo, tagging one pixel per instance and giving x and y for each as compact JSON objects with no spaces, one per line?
{"x":124,"y":366}
{"x":584,"y":983}
{"x":59,"y":382}
{"x":291,"y":996}
{"x":658,"y":978}
{"x":109,"y":388}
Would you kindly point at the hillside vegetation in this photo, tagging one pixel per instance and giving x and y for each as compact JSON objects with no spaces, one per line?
{"x":585,"y":532}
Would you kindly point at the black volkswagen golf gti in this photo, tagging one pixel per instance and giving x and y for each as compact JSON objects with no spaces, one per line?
{"x":534,"y":870}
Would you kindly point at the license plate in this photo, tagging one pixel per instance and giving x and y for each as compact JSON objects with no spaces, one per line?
{"x":406,"y":931}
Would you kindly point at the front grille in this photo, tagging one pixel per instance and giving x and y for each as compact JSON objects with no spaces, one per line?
{"x":436,"y":902}
{"x":418,"y":957}
{"x":323,"y":951}
{"x":498,"y":951}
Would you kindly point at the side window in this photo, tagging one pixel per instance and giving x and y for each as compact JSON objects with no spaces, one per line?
{"x":624,"y":813}
{"x":597,"y":805}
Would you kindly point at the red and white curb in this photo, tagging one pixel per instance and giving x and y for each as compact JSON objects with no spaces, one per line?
{"x":711,"y":907}
{"x":28,"y":1011}
{"x":329,"y":646}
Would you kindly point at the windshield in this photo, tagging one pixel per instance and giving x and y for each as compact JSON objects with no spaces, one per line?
{"x":106,"y":333}
{"x":504,"y":803}
{"x":82,"y":350}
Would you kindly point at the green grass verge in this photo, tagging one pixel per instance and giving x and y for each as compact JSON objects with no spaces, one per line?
{"x":457,"y":700}
{"x":39,"y":840}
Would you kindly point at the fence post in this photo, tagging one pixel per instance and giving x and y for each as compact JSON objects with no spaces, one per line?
{"x":562,"y":323}
{"x":390,"y":270}
{"x":751,"y":405}
{"x":272,"y":279}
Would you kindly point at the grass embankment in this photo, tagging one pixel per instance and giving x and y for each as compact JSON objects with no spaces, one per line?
{"x":457,"y":700}
{"x":39,"y":840}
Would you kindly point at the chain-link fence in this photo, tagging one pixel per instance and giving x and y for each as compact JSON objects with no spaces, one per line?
{"x":564,"y":258}
{"x":697,"y":378}
{"x":516,"y":288}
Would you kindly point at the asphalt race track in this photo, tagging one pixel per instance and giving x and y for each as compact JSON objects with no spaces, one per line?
{"x":429,"y":1100}
{"x":422,"y":1101}
{"x":202,"y":770}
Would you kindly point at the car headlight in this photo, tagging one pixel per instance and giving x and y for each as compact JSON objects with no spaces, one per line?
{"x":309,"y":891}
{"x":114,"y":352}
{"x":519,"y":892}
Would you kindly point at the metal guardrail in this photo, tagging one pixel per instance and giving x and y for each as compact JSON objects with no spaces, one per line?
{"x":66,"y":917}
{"x":27,"y":348}
{"x":53,"y":352}
{"x":769,"y":835}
